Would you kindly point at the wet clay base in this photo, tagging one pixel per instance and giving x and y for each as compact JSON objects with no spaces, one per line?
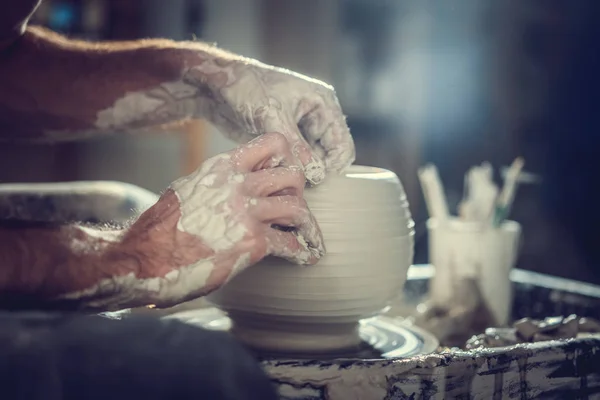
{"x":528,"y":330}
{"x":378,"y":338}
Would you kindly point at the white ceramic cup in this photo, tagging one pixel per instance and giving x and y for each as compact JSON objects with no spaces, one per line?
{"x":368,"y":232}
{"x":459,"y":249}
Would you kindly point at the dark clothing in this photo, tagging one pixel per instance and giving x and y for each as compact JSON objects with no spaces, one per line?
{"x":71,"y":356}
{"x":54,"y":356}
{"x":14,"y":17}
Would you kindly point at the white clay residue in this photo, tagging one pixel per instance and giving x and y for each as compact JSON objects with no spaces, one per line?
{"x":304,"y":256}
{"x":127,"y":110}
{"x":204,"y":209}
{"x":254,"y":99}
{"x":126,"y":290}
{"x":105,"y":237}
{"x":314,"y":171}
{"x":136,"y":106}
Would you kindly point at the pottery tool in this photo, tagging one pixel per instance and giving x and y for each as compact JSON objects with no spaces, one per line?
{"x":507,"y":194}
{"x":524,"y":177}
{"x":480,"y":195}
{"x":487,"y":194}
{"x":433,"y":191}
{"x":487,"y":202}
{"x":464,"y":207}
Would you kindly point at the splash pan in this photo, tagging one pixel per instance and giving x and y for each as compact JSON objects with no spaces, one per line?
{"x":550,"y":370}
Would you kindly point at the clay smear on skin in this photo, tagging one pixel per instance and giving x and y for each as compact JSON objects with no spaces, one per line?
{"x":128,"y":289}
{"x":183,"y":99}
{"x":125,"y":289}
{"x":204,"y":209}
{"x":175,"y":99}
{"x":204,"y":214}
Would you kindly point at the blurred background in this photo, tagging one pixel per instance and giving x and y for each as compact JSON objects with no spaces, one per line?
{"x":454,"y":83}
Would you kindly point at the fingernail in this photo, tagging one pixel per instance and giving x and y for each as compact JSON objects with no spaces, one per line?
{"x":318,"y":253}
{"x":312,"y":253}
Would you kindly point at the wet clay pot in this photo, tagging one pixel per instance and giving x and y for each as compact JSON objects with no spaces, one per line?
{"x":281,"y":307}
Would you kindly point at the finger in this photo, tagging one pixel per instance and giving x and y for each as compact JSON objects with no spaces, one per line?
{"x":325,"y":128}
{"x":268,"y":182}
{"x":314,"y":168}
{"x":292,"y":247}
{"x":266,"y":151}
{"x":338,"y":145}
{"x":290,"y":211}
{"x":281,"y":210}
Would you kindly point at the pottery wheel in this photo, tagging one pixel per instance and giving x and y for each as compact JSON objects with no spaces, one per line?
{"x":382,"y":337}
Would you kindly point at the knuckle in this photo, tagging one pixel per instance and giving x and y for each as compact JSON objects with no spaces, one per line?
{"x":248,"y":202}
{"x":236,"y":178}
{"x":239,"y":154}
{"x":278,"y":140}
{"x":276,"y":137}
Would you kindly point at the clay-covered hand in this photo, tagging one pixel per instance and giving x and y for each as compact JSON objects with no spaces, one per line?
{"x":248,"y":98}
{"x":222,"y":218}
{"x":144,"y":85}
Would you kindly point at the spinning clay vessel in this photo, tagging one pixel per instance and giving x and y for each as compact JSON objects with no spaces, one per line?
{"x":368,"y":231}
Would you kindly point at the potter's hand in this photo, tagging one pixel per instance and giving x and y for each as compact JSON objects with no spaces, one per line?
{"x":250,"y":98}
{"x":219,"y":220}
{"x":236,"y":209}
{"x":135,"y":86}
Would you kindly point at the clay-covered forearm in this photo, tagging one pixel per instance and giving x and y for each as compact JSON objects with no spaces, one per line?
{"x":41,"y":263}
{"x":54,"y":88}
{"x":152,"y":261}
